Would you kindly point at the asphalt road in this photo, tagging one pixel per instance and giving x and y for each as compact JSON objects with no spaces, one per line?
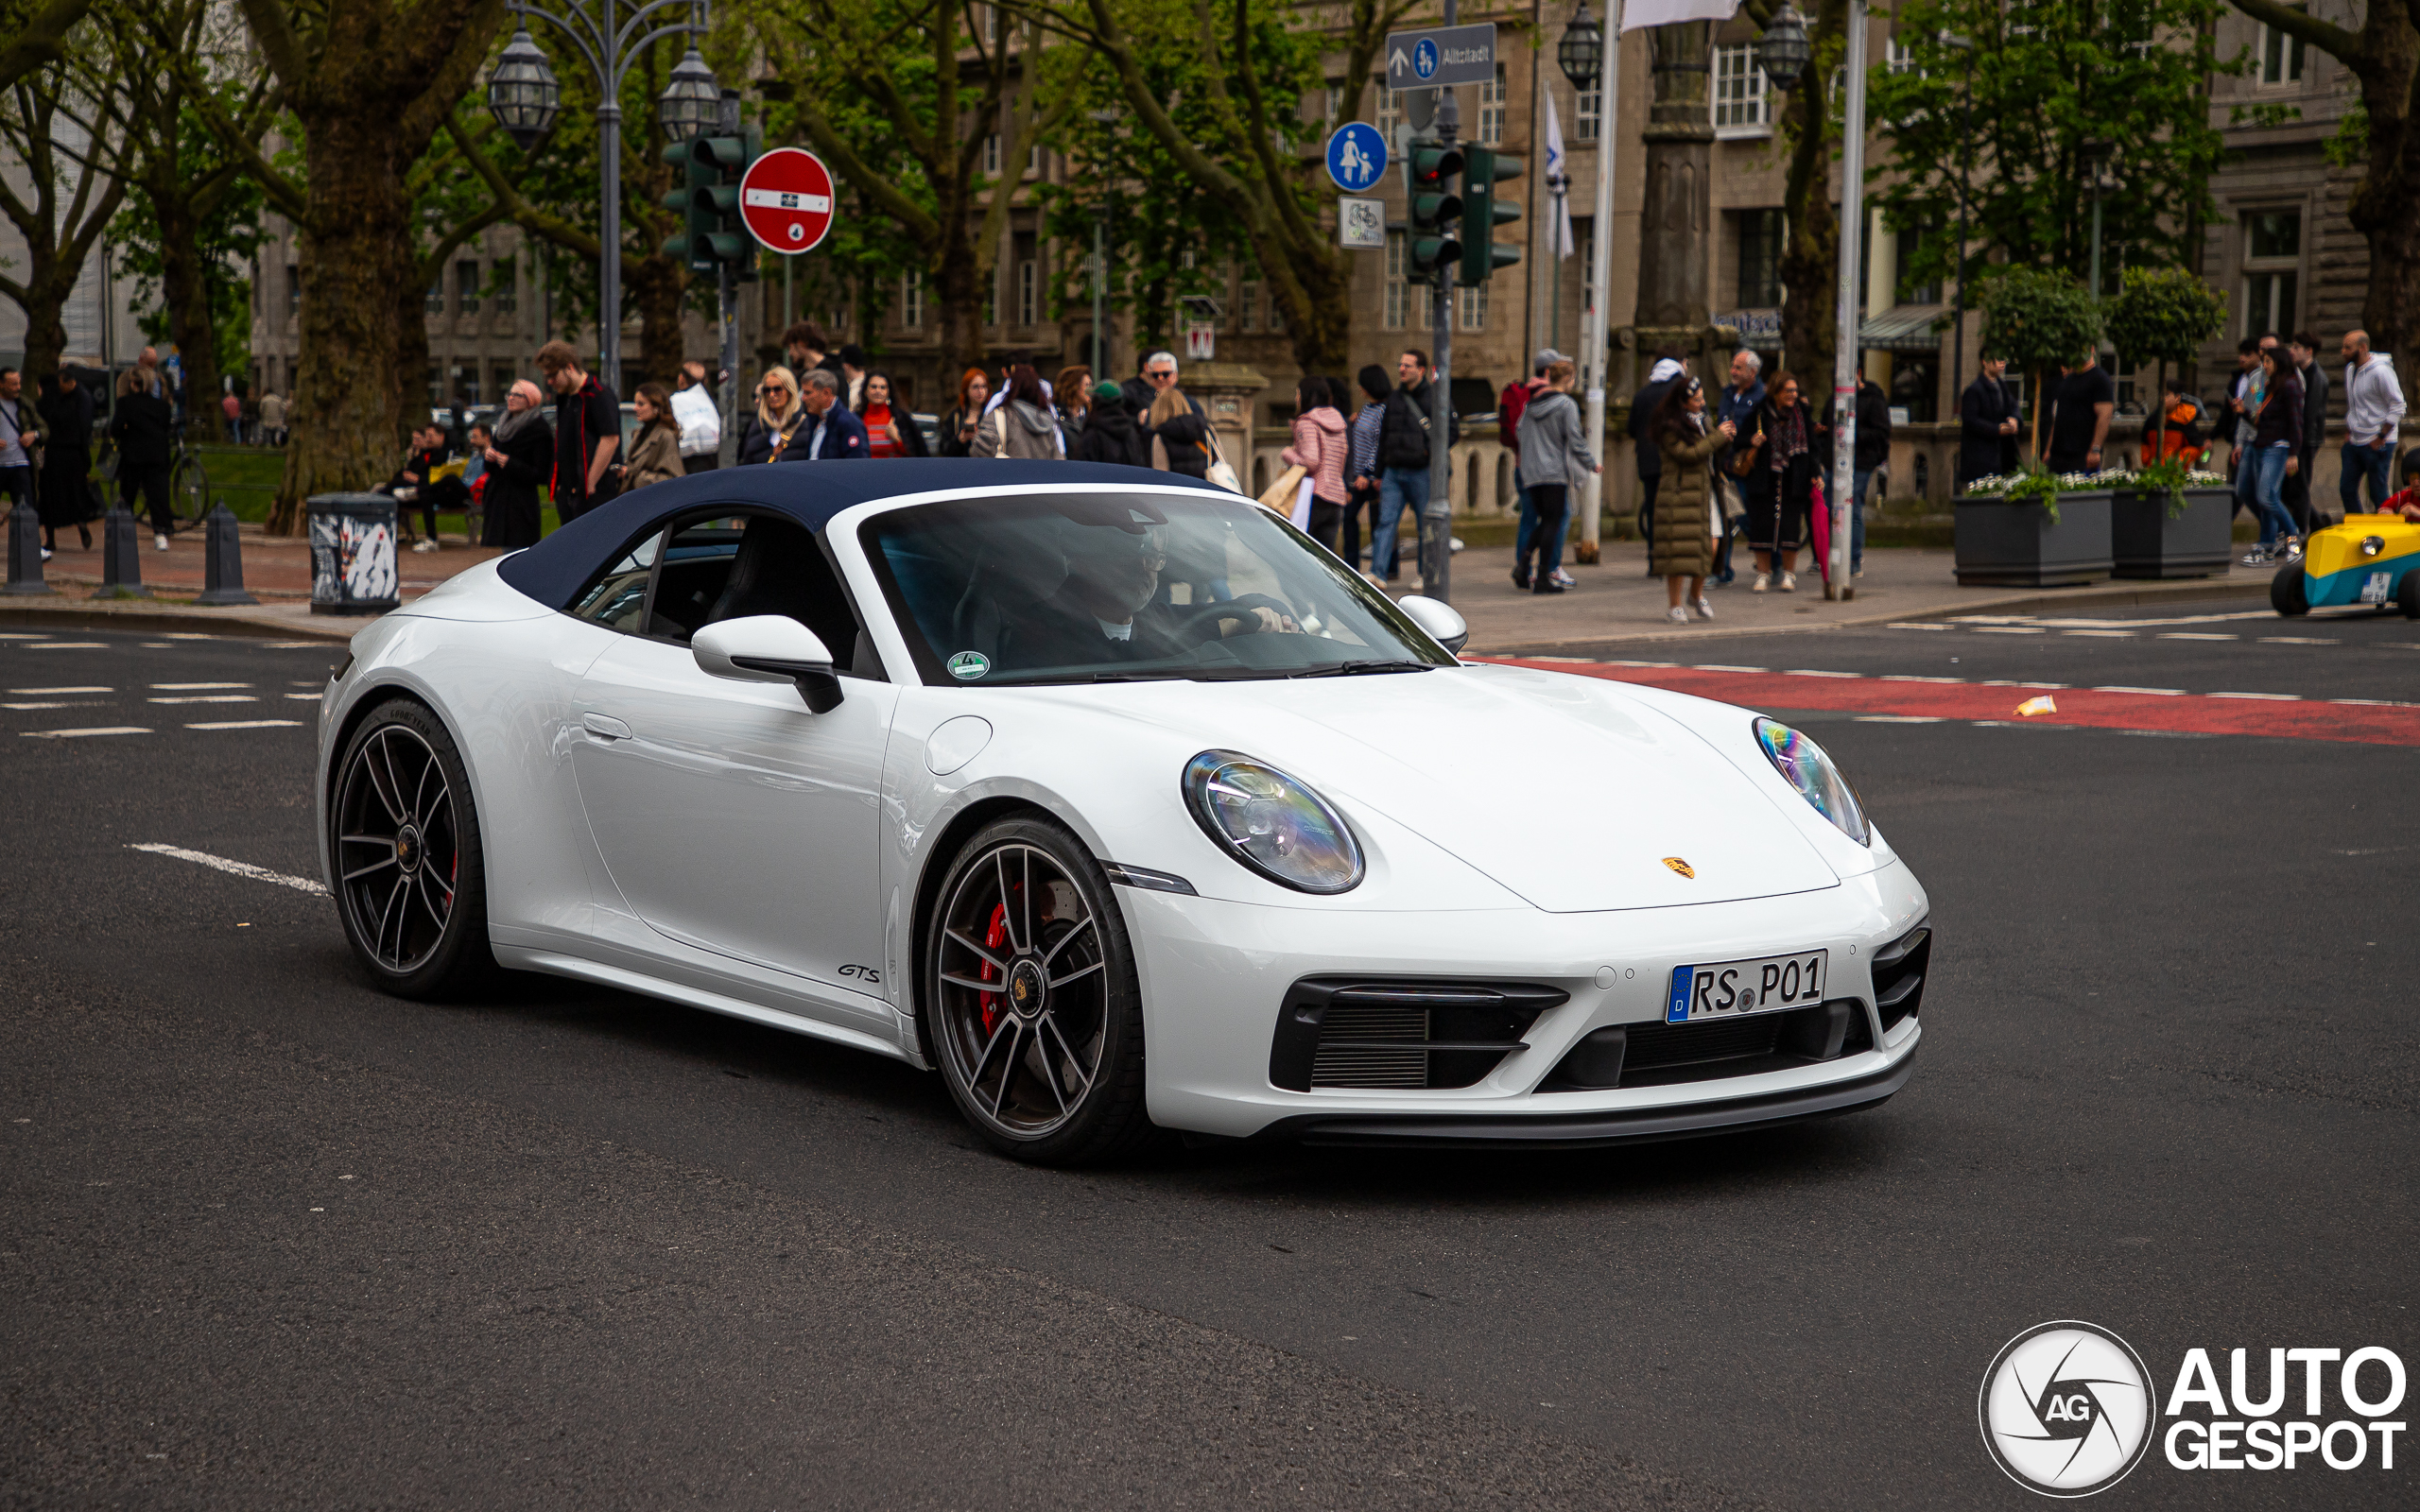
{"x":275,"y":1240}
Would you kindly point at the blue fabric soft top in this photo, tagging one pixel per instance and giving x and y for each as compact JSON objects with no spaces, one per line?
{"x":553,"y":570}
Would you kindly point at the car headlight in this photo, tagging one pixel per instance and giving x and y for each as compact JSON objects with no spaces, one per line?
{"x":1272,"y":823}
{"x":1804,"y":766}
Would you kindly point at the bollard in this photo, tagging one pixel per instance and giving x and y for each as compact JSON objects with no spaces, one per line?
{"x":121,"y":556}
{"x":222,"y":580}
{"x":24,"y":553}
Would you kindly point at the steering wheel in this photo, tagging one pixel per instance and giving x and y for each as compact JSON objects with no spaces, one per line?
{"x":1199,"y":624}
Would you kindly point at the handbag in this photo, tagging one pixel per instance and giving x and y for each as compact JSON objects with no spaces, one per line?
{"x":1219,"y":471}
{"x":1279,"y":499}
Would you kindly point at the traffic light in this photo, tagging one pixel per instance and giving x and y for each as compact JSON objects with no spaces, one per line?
{"x":1428,"y":170}
{"x":710,"y":198}
{"x":1484,"y":169}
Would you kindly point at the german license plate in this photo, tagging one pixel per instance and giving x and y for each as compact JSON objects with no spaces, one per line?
{"x":1728,"y":990}
{"x":2375,"y":587}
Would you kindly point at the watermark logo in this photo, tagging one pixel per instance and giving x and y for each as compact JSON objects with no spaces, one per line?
{"x":2067,"y":1409}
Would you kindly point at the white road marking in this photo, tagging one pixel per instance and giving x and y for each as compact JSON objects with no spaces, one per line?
{"x":2296,"y":640}
{"x":2165,"y":693}
{"x":13,"y":635}
{"x":2107,"y":635}
{"x":49,"y":704}
{"x":95,"y":729}
{"x":207,"y":698}
{"x":1589,"y":660}
{"x":249,"y":724}
{"x":2192,"y":635}
{"x":1717,"y":667}
{"x":1915,"y":625}
{"x":1642,"y":664}
{"x":2010,"y":630}
{"x":1909,"y":676}
{"x":1809,"y":672}
{"x":1898,"y":720}
{"x":239,"y":868}
{"x":193,"y":687}
{"x":300,"y":646}
{"x":52,"y":692}
{"x":308,"y":697}
{"x":67,"y":645}
{"x":186,"y":635}
{"x":157,"y":645}
{"x":2277,"y":697}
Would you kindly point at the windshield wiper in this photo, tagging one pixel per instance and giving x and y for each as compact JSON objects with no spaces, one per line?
{"x":1349,"y":669}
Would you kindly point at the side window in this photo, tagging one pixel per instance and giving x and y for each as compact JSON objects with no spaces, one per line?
{"x":617,"y":600}
{"x":697,"y":569}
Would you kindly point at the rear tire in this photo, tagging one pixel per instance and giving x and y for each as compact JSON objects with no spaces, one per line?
{"x":2286,"y":590}
{"x":1047,"y":1064}
{"x":2406,"y":593}
{"x":189,"y":491}
{"x":410,"y":875}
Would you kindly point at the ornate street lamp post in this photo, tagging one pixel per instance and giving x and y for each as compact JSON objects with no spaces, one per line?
{"x":525,"y":97}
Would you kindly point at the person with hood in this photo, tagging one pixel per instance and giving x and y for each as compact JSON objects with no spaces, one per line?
{"x":1180,"y":435}
{"x":776,"y":420}
{"x":1671,"y":362}
{"x":65,"y":496}
{"x":1554,"y":459}
{"x":1110,"y":434}
{"x":1687,"y":519}
{"x":520,"y":457}
{"x":1022,"y":427}
{"x":1319,"y":446}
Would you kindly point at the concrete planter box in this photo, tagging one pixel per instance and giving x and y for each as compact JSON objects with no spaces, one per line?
{"x":2015,"y":544}
{"x":2145,"y":543}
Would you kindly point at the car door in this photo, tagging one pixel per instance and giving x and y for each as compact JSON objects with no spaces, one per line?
{"x":732,"y":819}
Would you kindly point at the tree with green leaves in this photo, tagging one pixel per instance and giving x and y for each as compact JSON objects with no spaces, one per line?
{"x":2039,"y":320}
{"x":369,"y":84}
{"x":2020,"y":115}
{"x":2162,"y":316}
{"x":2383,"y":54}
{"x":66,"y":136}
{"x":37,"y":35}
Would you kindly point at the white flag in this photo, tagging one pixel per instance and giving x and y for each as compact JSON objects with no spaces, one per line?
{"x":1559,"y":236}
{"x":1637,"y":13}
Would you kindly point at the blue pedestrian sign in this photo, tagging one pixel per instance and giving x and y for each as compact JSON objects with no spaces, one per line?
{"x":1357,"y":156}
{"x":1442,"y":57}
{"x":1424,"y":59}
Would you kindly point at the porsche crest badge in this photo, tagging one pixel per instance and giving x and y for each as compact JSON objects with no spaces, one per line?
{"x":1682,"y":867}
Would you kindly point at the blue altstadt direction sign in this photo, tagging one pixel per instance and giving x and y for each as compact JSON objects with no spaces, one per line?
{"x":1357,"y":156}
{"x":1440,"y":56}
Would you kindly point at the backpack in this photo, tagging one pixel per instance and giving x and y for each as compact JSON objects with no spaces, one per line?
{"x":1509,"y":406}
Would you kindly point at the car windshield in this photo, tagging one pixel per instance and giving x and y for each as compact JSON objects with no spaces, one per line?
{"x":1121,"y":586}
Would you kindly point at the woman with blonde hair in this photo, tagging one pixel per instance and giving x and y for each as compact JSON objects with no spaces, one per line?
{"x":777,"y":417}
{"x":1180,"y":435}
{"x":655,"y":450}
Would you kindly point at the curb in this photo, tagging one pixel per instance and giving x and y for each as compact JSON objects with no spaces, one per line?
{"x":89,"y":615}
{"x":2111,"y":594}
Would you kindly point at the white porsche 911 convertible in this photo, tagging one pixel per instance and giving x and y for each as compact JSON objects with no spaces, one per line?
{"x":1121,"y":803}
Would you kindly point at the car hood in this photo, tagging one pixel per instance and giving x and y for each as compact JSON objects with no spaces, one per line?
{"x":1561,"y":789}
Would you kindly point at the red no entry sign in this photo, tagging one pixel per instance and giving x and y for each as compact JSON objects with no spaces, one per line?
{"x":785,"y":199}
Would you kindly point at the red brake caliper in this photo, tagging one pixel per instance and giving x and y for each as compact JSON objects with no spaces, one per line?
{"x":994,"y":936}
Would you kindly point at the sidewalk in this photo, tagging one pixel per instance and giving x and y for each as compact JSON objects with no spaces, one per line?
{"x":1615,"y":600}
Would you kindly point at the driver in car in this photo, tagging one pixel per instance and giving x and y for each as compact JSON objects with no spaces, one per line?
{"x":1106,"y":609}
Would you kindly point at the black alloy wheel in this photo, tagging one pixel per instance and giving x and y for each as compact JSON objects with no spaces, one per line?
{"x":410,"y":877}
{"x":1036,"y":1016}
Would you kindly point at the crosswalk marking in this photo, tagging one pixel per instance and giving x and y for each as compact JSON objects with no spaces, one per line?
{"x":46,"y":703}
{"x":95,"y":729}
{"x":53,"y":693}
{"x":206,"y":698}
{"x":239,"y":868}
{"x":193,"y":687}
{"x":249,"y":724}
{"x":66,"y":646}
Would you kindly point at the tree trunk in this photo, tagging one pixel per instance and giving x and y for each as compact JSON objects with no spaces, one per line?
{"x":956,"y":276}
{"x":655,"y":284}
{"x":1810,"y":259}
{"x":356,"y":254}
{"x":185,"y":291}
{"x":46,"y":333}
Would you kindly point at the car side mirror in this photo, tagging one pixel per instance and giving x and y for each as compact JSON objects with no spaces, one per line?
{"x":1443,"y":624}
{"x":769,"y":649}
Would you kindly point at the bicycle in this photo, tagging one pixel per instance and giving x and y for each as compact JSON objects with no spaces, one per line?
{"x":189,"y":498}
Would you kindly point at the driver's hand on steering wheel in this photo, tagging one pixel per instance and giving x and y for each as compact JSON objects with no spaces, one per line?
{"x":1264,"y":619}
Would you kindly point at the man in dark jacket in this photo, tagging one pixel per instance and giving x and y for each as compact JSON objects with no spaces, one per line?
{"x":1872,"y":450}
{"x":829,"y":433}
{"x":1109,"y":433}
{"x":1404,"y":457}
{"x":1672,"y":366}
{"x":588,"y":432}
{"x":1987,"y":425}
{"x":143,"y":426}
{"x":2303,"y":348}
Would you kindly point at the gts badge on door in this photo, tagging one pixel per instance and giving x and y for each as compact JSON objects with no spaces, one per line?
{"x":862,"y":973}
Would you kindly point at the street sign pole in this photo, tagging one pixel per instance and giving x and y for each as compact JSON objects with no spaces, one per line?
{"x":1844,"y":353}
{"x":728,"y":453}
{"x":1600,"y":265}
{"x":1437,"y":515}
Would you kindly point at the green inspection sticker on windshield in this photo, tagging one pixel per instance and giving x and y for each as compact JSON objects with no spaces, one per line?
{"x":968,"y":665}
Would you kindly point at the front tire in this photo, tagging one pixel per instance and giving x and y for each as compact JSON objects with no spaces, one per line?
{"x":2406,"y":593}
{"x":411,"y":878}
{"x":2286,"y":593}
{"x":1036,"y":1017}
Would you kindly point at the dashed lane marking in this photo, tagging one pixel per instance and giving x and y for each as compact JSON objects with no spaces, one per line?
{"x":2199,"y":635}
{"x":2161,"y":692}
{"x":2273,"y":697}
{"x":53,"y":693}
{"x":193,"y":687}
{"x":2296,"y":640}
{"x":1809,"y":672}
{"x":206,"y":698}
{"x":1916,"y":625}
{"x":1910,"y":677}
{"x":1899,"y":719}
{"x":235,"y":869}
{"x":51,"y":704}
{"x":2106,"y":635}
{"x":66,"y":646}
{"x":300,"y":646}
{"x":1717,"y":667}
{"x":307,"y":698}
{"x":95,"y":729}
{"x":2009,"y":630}
{"x":249,"y":724}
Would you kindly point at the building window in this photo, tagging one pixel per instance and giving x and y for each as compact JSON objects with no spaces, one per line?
{"x":1247,"y":302}
{"x":1389,"y":110}
{"x":1898,"y":57}
{"x":2273,"y":252}
{"x":991,"y":155}
{"x":2281,"y":56}
{"x":1332,"y":109}
{"x":466,"y":384}
{"x":1588,"y":113}
{"x":1034,"y":166}
{"x":1028,"y":291}
{"x":991,"y":24}
{"x":503,"y":376}
{"x":466,"y":287}
{"x":1740,"y":97}
{"x":1760,"y":242}
{"x":506,"y":300}
{"x":1398,"y":292}
{"x":911,"y":300}
{"x":435,"y":305}
{"x":1471,"y":308}
{"x":1910,"y":241}
{"x":1491,"y":107}
{"x":293,"y":289}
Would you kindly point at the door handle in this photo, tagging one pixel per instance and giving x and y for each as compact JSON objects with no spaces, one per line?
{"x":605,"y":726}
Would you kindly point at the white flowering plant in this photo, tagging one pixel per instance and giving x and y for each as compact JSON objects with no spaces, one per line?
{"x":2043,"y":487}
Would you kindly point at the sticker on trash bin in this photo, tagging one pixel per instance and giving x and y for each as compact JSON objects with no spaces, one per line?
{"x":2042,"y":704}
{"x":968,"y":665}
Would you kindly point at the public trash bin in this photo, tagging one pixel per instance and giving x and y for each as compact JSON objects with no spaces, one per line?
{"x":352,"y":553}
